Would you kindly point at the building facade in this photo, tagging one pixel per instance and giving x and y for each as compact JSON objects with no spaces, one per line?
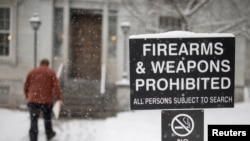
{"x":85,"y":38}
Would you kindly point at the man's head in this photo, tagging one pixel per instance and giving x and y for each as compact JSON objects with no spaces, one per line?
{"x":44,"y":62}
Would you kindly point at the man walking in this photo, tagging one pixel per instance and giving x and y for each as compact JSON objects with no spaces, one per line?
{"x":39,"y":87}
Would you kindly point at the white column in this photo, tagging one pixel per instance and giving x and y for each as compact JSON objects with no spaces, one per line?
{"x":123,"y":85}
{"x":66,"y":20}
{"x":105,"y":17}
{"x":45,"y":31}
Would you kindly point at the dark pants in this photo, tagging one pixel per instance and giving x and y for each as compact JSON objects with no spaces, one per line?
{"x":35,"y":110}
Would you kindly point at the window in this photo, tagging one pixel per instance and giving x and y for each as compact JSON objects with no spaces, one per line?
{"x":112,"y":34}
{"x":170,"y":23}
{"x":58,"y":31}
{"x":5,"y":36}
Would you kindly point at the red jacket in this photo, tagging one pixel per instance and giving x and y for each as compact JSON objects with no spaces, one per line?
{"x":40,"y":85}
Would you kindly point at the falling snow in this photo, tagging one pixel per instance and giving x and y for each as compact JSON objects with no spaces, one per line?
{"x":142,"y":125}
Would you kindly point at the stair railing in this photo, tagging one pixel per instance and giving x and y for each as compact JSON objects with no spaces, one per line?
{"x":59,"y":71}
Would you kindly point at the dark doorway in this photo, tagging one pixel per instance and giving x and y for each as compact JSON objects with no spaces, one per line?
{"x":86,"y":37}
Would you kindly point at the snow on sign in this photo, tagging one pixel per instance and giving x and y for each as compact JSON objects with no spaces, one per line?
{"x":177,"y":70}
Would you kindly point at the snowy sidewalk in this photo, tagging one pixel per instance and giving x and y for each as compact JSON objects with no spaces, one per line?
{"x":144,"y":125}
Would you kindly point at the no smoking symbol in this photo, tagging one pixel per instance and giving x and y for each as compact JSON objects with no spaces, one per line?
{"x":182,"y":125}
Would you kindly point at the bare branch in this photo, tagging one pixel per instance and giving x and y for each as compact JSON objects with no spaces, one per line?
{"x":229,"y":26}
{"x":195,"y":7}
{"x":190,"y":5}
{"x":135,"y":12}
{"x":176,"y":6}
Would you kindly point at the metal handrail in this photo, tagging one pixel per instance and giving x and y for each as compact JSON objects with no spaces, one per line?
{"x":59,"y":71}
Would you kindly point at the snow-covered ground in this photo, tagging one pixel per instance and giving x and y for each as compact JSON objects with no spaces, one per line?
{"x":143,"y":125}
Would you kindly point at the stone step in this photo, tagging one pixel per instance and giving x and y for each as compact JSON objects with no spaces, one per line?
{"x":88,"y":111}
{"x":83,"y":100}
